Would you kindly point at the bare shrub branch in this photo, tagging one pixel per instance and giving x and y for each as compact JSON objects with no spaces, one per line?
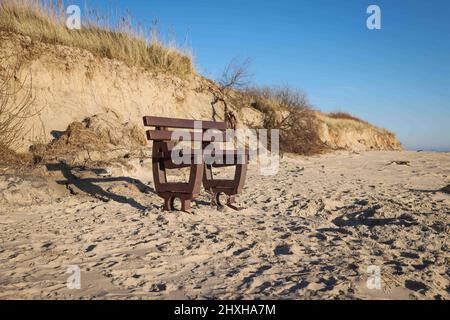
{"x":235,"y":76}
{"x":16,"y":100}
{"x":289,"y":111}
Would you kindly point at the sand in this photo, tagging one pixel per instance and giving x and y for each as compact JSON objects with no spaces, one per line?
{"x":311,"y":232}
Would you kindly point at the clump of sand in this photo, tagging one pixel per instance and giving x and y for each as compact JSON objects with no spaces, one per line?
{"x":103,"y":137}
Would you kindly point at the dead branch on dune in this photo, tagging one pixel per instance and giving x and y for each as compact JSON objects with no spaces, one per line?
{"x":234,"y":76}
{"x":16,"y":100}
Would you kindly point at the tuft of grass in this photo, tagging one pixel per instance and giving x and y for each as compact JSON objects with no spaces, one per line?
{"x":43,"y":20}
{"x":11,"y":159}
{"x":345,"y":121}
{"x":344,"y":115}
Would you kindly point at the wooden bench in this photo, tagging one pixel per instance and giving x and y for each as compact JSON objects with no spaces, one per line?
{"x":200,"y":171}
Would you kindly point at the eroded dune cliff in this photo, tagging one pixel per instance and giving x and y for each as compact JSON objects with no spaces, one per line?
{"x":73,"y":85}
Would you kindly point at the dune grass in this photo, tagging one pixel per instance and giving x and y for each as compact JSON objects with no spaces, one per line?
{"x":43,"y":20}
{"x":345,"y":115}
{"x":345,"y":121}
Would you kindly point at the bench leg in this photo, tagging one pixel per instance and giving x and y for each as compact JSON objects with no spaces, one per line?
{"x":231,"y":201}
{"x":186,"y":193}
{"x":214,"y":199}
{"x":217,"y":190}
{"x":185,"y":205}
{"x":169,"y":202}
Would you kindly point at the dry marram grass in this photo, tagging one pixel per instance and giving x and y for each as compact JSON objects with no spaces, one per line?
{"x":344,"y":115}
{"x":44,"y":21}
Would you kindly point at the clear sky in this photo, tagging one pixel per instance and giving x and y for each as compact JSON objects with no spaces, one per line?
{"x":397,"y":77}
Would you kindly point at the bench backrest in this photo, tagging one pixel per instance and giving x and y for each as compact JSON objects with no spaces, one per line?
{"x":162,"y":124}
{"x":182,"y":123}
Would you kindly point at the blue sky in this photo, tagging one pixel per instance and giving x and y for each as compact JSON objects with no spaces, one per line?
{"x":397,"y":77}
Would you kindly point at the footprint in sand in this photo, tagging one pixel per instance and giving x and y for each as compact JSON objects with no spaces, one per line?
{"x":283,"y":249}
{"x":90,"y":248}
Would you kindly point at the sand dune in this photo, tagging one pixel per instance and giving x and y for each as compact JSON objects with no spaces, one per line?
{"x":310,"y":232}
{"x":73,"y":85}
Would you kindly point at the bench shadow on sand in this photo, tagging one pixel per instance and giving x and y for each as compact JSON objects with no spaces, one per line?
{"x":89,"y":186}
{"x":445,"y":189}
{"x":366,"y":217}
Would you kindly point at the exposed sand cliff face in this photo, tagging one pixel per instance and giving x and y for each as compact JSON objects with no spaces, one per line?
{"x":355,"y":135}
{"x":71,"y":85}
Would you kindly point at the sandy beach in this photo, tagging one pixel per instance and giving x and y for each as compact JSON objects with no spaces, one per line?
{"x":310,"y":232}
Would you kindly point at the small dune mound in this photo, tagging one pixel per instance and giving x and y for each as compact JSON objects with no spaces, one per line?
{"x":99,"y":132}
{"x":110,"y":128}
{"x":77,"y":137}
{"x":102,"y":137}
{"x":9,"y":158}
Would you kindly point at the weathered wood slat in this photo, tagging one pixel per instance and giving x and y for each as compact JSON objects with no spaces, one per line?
{"x":150,"y":121}
{"x":180,"y":187}
{"x":170,"y":165}
{"x":224,"y":183}
{"x":165,"y":135}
